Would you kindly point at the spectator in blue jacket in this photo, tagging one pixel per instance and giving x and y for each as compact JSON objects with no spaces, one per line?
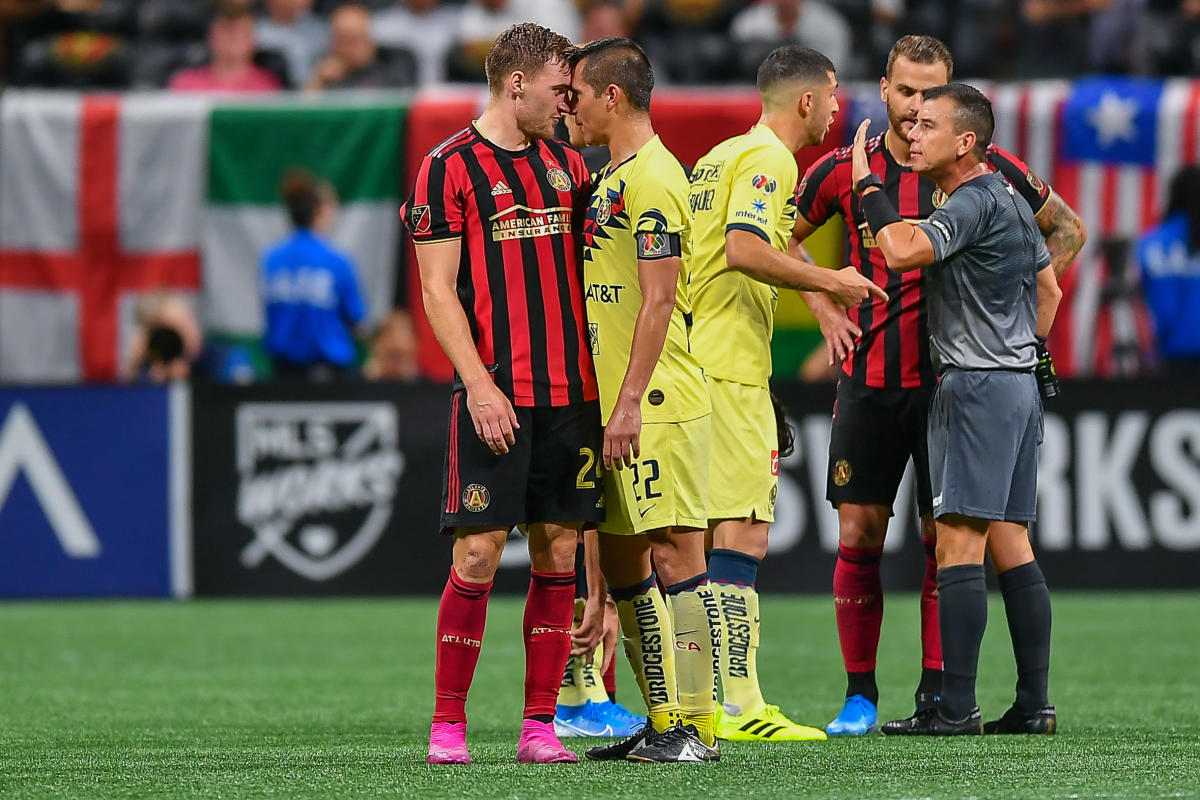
{"x":1169,"y":257}
{"x":310,"y":290}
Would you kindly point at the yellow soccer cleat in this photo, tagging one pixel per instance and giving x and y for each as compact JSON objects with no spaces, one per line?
{"x":768,"y":724}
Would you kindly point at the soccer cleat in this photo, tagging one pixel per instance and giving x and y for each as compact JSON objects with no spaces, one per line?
{"x":857,"y":718}
{"x":539,"y":745}
{"x":930,"y":722}
{"x":623,"y":721}
{"x":448,"y":743}
{"x":587,"y":720}
{"x":676,"y":745}
{"x":619,"y":751}
{"x":1042,"y":721}
{"x":768,"y":724}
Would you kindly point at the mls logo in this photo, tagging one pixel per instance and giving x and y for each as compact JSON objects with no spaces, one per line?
{"x":316,"y":482}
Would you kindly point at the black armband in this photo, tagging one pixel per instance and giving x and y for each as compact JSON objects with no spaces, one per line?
{"x":652,"y":245}
{"x":879,"y":211}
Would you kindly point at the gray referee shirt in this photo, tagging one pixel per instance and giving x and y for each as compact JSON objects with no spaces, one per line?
{"x":983,"y":282}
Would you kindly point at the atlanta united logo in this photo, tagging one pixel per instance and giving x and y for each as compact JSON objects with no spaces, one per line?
{"x":841,"y":472}
{"x":476,"y":497}
{"x":764,"y":183}
{"x":559,"y":179}
{"x":939,"y":197}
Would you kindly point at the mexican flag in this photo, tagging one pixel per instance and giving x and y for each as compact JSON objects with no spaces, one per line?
{"x":354,"y":144}
{"x":106,"y":197}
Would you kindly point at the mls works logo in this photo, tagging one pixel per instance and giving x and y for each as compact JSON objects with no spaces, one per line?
{"x":317,"y":482}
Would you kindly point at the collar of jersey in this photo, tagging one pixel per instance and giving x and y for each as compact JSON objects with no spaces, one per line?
{"x":524,"y":151}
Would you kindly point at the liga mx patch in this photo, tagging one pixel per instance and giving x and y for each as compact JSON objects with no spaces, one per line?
{"x":764,"y":183}
{"x":653,"y":245}
{"x":421,"y":220}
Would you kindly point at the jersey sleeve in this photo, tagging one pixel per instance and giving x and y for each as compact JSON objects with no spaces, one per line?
{"x":658,"y":211}
{"x":760,"y":187}
{"x":958,"y":223}
{"x":1035,"y":191}
{"x":434,"y":211}
{"x":817,"y":196}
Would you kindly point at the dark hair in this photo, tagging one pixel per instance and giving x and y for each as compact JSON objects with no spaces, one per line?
{"x":920,"y":50}
{"x":1184,"y":197}
{"x":303,"y":193}
{"x":793,"y":62}
{"x":163,"y":345}
{"x":784,"y":433}
{"x":972,"y":112}
{"x":617,"y":61}
{"x":234,"y":9}
{"x":525,"y":47}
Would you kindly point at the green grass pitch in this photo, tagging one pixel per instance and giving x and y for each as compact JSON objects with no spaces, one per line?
{"x":331,"y":699}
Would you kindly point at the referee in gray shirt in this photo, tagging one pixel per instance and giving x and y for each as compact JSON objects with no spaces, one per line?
{"x":992,"y":293}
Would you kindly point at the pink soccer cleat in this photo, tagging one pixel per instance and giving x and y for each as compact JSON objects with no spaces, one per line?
{"x":539,"y":745}
{"x":448,"y":743}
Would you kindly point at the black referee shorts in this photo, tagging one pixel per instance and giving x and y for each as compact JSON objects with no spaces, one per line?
{"x":551,"y":474}
{"x":875,"y":433}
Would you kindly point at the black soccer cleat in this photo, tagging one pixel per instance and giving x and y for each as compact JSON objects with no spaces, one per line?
{"x":677,"y":745}
{"x":930,"y":722}
{"x":619,"y":751}
{"x":1042,"y":721}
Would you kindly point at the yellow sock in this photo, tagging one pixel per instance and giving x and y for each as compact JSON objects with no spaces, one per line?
{"x":573,"y":690}
{"x":697,"y":648}
{"x":648,"y":644}
{"x":739,"y":651}
{"x":593,"y":681}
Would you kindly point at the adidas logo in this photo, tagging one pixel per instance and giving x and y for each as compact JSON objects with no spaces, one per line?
{"x":500,"y":188}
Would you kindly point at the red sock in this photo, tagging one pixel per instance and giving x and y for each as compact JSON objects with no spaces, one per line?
{"x":931,"y":636}
{"x":610,"y":677}
{"x":461,"y":617}
{"x":858,"y":605}
{"x":549,"y":611}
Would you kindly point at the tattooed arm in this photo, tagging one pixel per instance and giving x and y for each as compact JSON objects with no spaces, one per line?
{"x":1064,"y":231}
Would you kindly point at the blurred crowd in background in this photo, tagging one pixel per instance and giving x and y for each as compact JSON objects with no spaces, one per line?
{"x":242,"y":45}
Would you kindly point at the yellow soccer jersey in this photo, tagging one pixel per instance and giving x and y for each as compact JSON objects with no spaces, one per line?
{"x":639,"y":210}
{"x":744,"y":183}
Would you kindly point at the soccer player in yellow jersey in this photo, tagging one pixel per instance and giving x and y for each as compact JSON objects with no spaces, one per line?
{"x":654,"y":405}
{"x":742,"y":199}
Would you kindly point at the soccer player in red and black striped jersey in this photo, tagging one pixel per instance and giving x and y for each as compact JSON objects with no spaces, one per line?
{"x":496,"y":214}
{"x":883,"y":395}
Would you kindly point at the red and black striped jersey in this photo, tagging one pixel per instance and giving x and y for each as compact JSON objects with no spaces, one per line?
{"x":520,"y":217}
{"x":894,"y":349}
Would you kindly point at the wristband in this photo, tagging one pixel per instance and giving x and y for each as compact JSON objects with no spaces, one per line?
{"x":879,"y":211}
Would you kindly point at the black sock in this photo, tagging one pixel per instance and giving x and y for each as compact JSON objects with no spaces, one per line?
{"x":931,"y":682}
{"x":962,"y":616}
{"x":862,"y":683}
{"x":1027,"y":606}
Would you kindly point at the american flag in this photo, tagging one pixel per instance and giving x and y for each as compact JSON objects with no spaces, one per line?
{"x":1109,"y":146}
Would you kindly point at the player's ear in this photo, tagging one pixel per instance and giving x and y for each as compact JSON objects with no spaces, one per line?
{"x":883,"y":89}
{"x":611,"y":92}
{"x":805,"y":104}
{"x":516,"y":83}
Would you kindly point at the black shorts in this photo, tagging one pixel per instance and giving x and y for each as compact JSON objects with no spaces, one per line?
{"x":875,"y":432}
{"x":551,"y":474}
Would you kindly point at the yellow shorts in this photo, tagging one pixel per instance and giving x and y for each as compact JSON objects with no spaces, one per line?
{"x":667,"y":486}
{"x":744,"y":465}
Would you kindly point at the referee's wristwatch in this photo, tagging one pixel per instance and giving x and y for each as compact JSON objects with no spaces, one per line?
{"x":867,"y":182}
